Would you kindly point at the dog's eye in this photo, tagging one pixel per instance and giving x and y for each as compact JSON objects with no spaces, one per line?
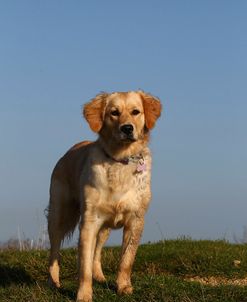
{"x":115,"y":112}
{"x":135,"y":112}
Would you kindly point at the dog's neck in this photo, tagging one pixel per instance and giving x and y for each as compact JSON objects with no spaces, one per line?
{"x":127,"y":160}
{"x":123,"y":152}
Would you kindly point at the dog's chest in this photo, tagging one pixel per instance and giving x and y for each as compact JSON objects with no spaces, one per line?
{"x":122,"y":188}
{"x":121,"y":179}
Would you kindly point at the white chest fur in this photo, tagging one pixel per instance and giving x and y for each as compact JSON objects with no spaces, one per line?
{"x":122,"y":190}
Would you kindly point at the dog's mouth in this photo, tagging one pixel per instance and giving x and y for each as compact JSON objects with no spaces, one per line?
{"x":127,"y":138}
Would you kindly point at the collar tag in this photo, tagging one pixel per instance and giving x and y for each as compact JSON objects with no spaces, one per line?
{"x":141,"y":166}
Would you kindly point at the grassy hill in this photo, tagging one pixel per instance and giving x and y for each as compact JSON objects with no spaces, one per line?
{"x":172,"y":270}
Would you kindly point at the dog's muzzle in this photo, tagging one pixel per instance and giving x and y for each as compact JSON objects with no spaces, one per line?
{"x":127,"y":133}
{"x":127,"y":129}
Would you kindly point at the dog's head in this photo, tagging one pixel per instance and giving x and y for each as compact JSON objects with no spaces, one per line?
{"x":124,"y":117}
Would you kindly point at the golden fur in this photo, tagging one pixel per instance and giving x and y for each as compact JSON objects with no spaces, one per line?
{"x":104,"y":184}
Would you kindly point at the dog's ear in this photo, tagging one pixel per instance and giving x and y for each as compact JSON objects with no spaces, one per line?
{"x":152,"y":108}
{"x":94,"y":112}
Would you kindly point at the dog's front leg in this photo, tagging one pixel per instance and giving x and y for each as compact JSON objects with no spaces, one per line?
{"x":88,"y":231}
{"x":131,"y":237}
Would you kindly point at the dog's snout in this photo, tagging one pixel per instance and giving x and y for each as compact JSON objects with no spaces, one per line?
{"x":127,"y":129}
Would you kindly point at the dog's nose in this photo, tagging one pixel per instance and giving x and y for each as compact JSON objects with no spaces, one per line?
{"x":127,"y":129}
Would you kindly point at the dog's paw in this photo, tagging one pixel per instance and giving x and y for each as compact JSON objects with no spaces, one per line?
{"x":85,"y":298}
{"x":98,"y":274}
{"x":53,"y":284}
{"x":99,"y":277}
{"x":125,"y":290}
{"x":84,"y":295}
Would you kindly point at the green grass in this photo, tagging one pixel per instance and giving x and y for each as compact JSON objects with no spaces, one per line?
{"x":162,"y":272}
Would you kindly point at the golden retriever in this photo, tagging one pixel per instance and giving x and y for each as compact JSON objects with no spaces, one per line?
{"x":106,"y":185}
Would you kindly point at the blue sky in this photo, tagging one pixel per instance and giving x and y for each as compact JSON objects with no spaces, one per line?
{"x":56,"y":55}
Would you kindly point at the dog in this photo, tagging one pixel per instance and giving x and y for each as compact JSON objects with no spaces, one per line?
{"x":104,"y":185}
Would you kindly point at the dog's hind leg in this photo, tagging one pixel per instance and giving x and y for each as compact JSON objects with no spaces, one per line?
{"x":55,"y":240}
{"x":63,"y":216}
{"x":97,"y":268}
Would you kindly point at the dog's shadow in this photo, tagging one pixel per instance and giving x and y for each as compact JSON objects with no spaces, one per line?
{"x":111,"y":285}
{"x":14,"y":275}
{"x":67,"y":293}
{"x":17,"y":275}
